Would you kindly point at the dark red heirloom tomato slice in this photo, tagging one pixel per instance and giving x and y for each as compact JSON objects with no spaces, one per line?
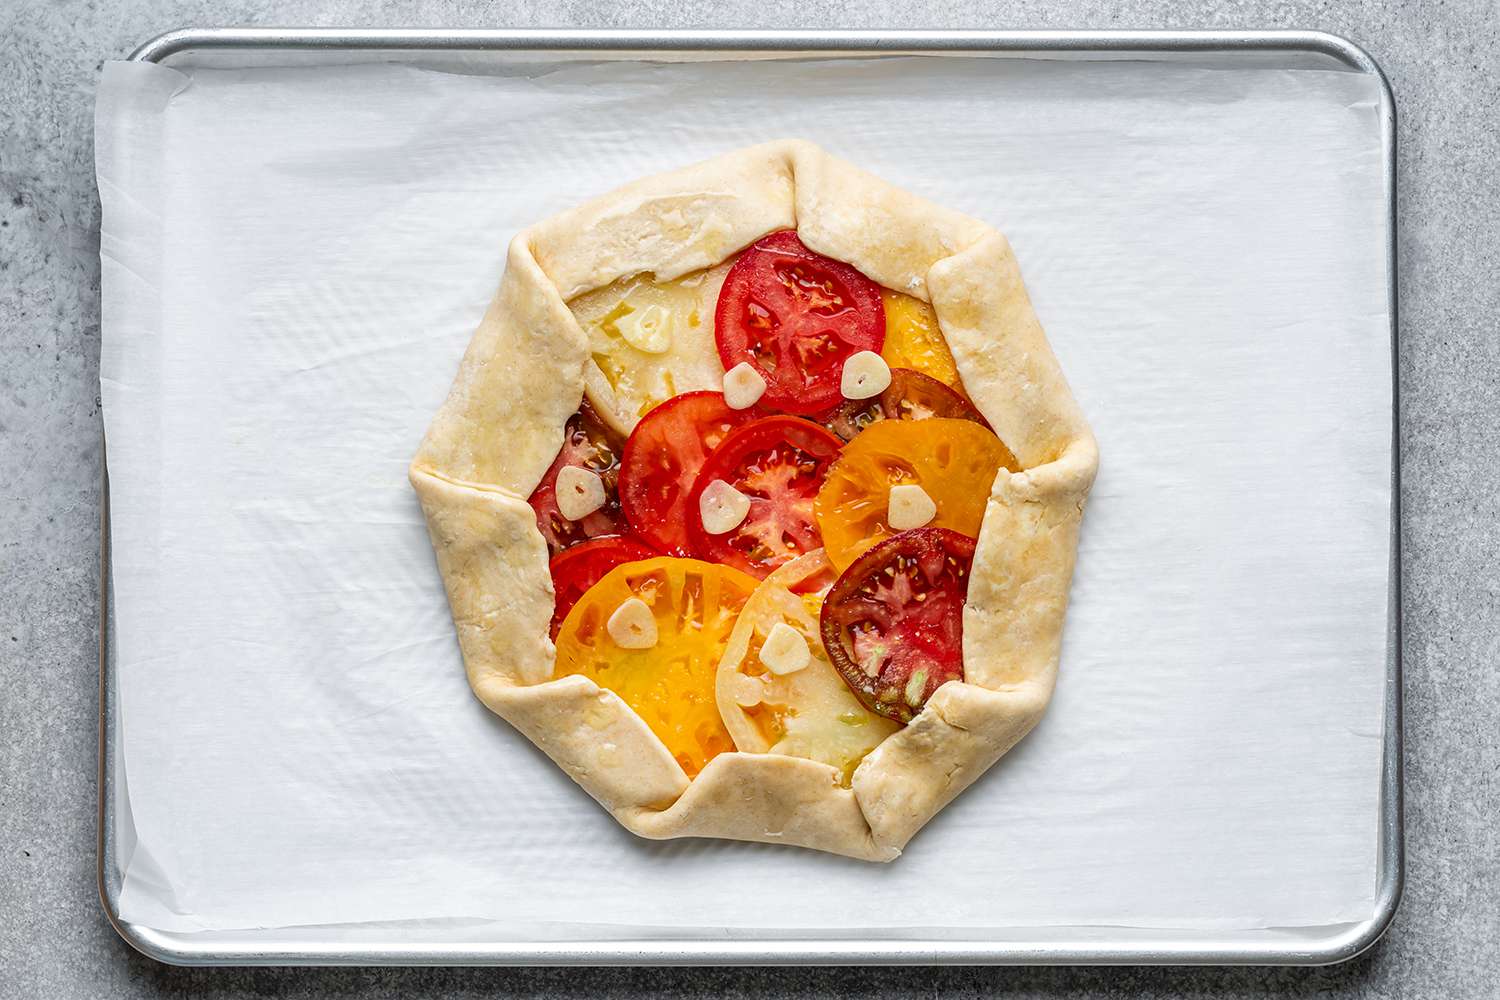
{"x":893,"y":623}
{"x":779,"y":463}
{"x":910,"y":396}
{"x":582,"y":566}
{"x":661,"y":462}
{"x":796,"y":316}
{"x":589,"y":444}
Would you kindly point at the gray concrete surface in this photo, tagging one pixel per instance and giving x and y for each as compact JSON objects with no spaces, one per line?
{"x":1441,"y":58}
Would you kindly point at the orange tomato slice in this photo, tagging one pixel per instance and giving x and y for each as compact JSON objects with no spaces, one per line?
{"x":914,"y":340}
{"x":954,"y":461}
{"x":671,"y":685}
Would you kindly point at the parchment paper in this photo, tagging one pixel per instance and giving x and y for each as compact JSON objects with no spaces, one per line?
{"x":294,"y":259}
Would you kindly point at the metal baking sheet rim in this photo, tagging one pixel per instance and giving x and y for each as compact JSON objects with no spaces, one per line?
{"x":1341,"y":944}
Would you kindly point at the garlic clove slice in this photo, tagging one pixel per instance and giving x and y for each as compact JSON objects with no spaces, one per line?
{"x":909,"y":506}
{"x":648,"y":329}
{"x":785,"y":650}
{"x":722,"y":507}
{"x":632,"y":626}
{"x":865,"y":375}
{"x":580,"y":492}
{"x":743,"y":386}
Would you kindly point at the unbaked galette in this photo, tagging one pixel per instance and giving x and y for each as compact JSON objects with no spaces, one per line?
{"x":756,"y":499}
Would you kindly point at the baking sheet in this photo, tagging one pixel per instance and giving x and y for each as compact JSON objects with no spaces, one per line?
{"x":294,"y":260}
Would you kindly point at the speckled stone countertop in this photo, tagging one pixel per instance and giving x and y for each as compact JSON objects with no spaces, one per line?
{"x":1441,"y":59}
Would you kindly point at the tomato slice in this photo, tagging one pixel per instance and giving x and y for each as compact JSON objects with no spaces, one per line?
{"x":661,"y":463}
{"x":954,"y":461}
{"x":590,"y":444}
{"x":796,"y":316}
{"x":779,"y":463}
{"x":914,"y":339}
{"x":580,"y":567}
{"x":910,"y":396}
{"x":671,"y":685}
{"x":893,"y":622}
{"x":808,"y":712}
{"x":650,"y":339}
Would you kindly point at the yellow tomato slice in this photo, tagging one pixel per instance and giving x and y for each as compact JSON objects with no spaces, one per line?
{"x":650,"y":340}
{"x":914,"y":340}
{"x":671,"y":685}
{"x":808,"y":713}
{"x":954,"y":461}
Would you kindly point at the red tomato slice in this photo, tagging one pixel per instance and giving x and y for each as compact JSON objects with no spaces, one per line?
{"x":910,"y":396}
{"x":893,"y":623}
{"x":779,"y":463}
{"x":589,"y":444}
{"x":796,"y":316}
{"x":582,"y":566}
{"x":661,"y":463}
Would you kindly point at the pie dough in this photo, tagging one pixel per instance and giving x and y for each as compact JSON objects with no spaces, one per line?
{"x":525,"y":372}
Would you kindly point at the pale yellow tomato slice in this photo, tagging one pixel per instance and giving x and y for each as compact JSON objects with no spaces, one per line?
{"x":954,"y":461}
{"x":811,"y":712}
{"x":649,"y":341}
{"x":671,"y":684}
{"x":914,"y":340}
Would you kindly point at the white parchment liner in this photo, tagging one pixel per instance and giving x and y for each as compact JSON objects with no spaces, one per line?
{"x":294,"y":260}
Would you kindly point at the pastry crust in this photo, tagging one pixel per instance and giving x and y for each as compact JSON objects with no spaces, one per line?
{"x":526,"y":371}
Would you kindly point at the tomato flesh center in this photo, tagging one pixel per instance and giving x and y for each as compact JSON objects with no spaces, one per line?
{"x":778,"y":463}
{"x":893,"y":623}
{"x":781,"y":483}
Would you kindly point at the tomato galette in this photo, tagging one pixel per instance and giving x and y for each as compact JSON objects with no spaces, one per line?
{"x":756,"y":499}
